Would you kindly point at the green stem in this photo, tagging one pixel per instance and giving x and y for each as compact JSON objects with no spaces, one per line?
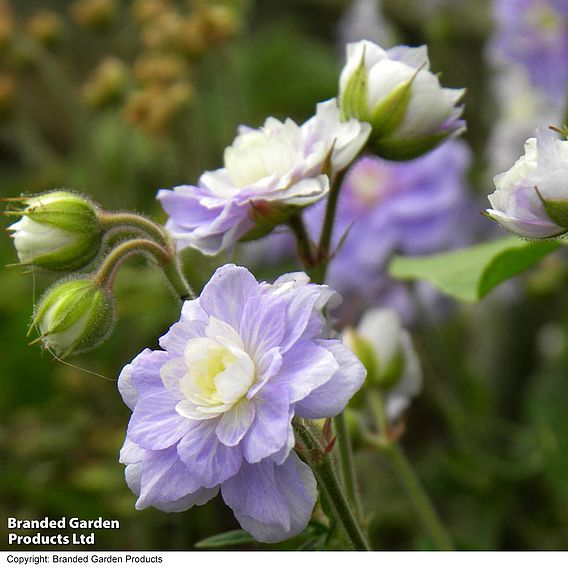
{"x":347,"y":465}
{"x":324,"y":249}
{"x":106,"y":274}
{"x":110,"y":221}
{"x":302,"y":240}
{"x":418,"y":496}
{"x":408,"y":478}
{"x":322,"y":467}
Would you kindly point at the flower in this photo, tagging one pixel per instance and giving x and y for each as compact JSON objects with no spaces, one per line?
{"x":395,"y":91}
{"x":534,"y":34}
{"x":392,"y":364}
{"x":531,"y":198}
{"x":59,"y":230}
{"x":268,"y":173}
{"x":74,"y":316}
{"x":213,"y":409}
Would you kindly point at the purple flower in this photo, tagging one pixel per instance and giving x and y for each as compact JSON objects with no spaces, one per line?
{"x":268,"y":173}
{"x":213,"y":409}
{"x":534,"y":33}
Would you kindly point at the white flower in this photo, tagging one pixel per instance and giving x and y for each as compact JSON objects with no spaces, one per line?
{"x":403,"y":100}
{"x":268,"y":173}
{"x":386,"y":350}
{"x":531,"y":198}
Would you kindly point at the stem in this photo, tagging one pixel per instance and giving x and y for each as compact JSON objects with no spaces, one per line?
{"x":327,"y":480}
{"x":418,"y":496}
{"x":106,"y":274}
{"x":302,"y":240}
{"x":408,"y":478}
{"x":347,"y":465}
{"x":323,"y":253}
{"x":133,"y":221}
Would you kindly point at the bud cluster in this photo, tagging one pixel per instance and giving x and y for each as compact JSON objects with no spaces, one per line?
{"x":65,"y":232}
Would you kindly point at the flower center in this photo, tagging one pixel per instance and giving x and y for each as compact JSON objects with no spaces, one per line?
{"x":257,"y":154}
{"x":219,"y":371}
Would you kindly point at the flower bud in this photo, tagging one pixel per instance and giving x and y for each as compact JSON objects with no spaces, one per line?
{"x":385,"y":349}
{"x":46,"y":28}
{"x":97,"y":15}
{"x":59,"y":230}
{"x":74,"y":316}
{"x":531,"y":198}
{"x":403,"y":101}
{"x":107,"y":85}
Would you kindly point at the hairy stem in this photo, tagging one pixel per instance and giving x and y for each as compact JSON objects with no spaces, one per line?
{"x":106,"y":274}
{"x":128,"y":221}
{"x":322,"y":467}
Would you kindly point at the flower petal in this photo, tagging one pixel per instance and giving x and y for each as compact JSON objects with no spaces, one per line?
{"x":331,"y":398}
{"x":272,"y":422}
{"x":209,"y":461}
{"x":155,"y":424}
{"x":272,"y":502}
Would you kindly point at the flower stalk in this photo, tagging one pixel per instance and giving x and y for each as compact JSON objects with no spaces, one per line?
{"x":322,"y":467}
{"x":120,"y":221}
{"x":407,"y":477}
{"x":106,"y":274}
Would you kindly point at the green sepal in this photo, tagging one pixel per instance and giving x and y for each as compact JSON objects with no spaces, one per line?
{"x":365,"y":352}
{"x":556,"y":209}
{"x":389,"y":113}
{"x":64,"y":210}
{"x":353,"y":101}
{"x":407,"y":149}
{"x":390,"y":376}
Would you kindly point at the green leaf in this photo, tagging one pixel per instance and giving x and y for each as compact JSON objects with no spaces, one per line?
{"x":223,"y":540}
{"x":470,"y":274}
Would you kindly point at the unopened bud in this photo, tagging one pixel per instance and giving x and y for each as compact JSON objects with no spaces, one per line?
{"x":385,"y":349}
{"x":59,"y":230}
{"x":153,"y":109}
{"x":74,"y":316}
{"x":145,"y":11}
{"x":46,"y":28}
{"x":107,"y":85}
{"x":97,"y":15}
{"x":159,"y":68}
{"x":220,"y":23}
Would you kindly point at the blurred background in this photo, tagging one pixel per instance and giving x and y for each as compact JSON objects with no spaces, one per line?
{"x":117,"y":99}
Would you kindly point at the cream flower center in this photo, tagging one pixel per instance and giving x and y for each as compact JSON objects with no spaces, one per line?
{"x":219,"y":372}
{"x":257,"y":154}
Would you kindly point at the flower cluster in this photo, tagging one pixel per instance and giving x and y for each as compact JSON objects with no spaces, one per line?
{"x":213,"y":409}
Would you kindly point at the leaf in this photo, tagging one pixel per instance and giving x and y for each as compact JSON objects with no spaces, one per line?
{"x":470,"y":274}
{"x":223,"y":540}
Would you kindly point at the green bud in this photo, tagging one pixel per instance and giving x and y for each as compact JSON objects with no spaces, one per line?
{"x":384,"y":374}
{"x":74,"y":316}
{"x":59,"y":231}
